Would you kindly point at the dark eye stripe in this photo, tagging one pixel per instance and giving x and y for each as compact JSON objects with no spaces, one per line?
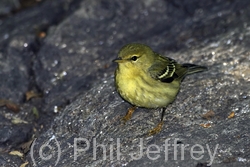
{"x":134,"y":58}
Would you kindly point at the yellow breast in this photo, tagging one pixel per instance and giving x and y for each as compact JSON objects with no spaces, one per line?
{"x":138,"y":88}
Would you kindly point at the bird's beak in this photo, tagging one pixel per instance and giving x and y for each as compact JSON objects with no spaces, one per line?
{"x":119,"y":60}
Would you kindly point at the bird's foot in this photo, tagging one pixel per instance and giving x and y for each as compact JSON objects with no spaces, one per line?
{"x":156,"y":130}
{"x":129,"y":114}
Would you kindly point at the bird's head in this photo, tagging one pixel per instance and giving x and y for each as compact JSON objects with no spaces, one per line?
{"x":135,"y":56}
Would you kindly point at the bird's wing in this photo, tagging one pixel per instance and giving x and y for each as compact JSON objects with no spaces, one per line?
{"x":163,"y":69}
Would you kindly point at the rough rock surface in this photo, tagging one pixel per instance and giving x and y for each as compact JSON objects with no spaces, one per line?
{"x":6,"y":6}
{"x":72,"y":68}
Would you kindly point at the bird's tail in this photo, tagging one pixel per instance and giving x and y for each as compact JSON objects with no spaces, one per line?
{"x":192,"y":68}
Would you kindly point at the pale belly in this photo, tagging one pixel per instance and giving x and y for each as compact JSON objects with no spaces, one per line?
{"x":148,"y":94}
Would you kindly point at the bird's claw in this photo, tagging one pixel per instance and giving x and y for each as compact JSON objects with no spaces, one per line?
{"x":156,"y":130}
{"x":129,"y":114}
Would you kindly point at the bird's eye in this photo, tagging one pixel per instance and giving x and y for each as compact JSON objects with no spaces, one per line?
{"x":134,"y":58}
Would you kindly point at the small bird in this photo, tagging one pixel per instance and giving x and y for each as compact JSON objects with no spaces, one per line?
{"x":146,"y":79}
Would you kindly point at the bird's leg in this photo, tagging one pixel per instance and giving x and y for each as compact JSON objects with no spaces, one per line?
{"x":129,"y":114}
{"x":158,"y":128}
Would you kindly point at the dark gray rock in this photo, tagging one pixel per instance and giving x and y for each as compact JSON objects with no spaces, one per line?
{"x":11,"y":134}
{"x":19,"y":45}
{"x":72,"y":68}
{"x":7,"y":160}
{"x":6,"y":6}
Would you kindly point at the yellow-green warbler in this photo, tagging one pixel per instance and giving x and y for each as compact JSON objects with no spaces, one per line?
{"x":144,"y":78}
